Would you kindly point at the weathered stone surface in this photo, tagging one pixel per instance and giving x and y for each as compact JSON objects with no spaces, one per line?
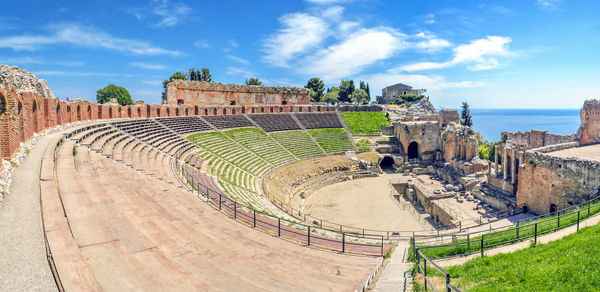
{"x":589,"y":129}
{"x":24,"y":81}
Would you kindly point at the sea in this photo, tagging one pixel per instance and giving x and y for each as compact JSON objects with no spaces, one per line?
{"x":491,"y":122}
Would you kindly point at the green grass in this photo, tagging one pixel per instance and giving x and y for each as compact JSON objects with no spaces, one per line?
{"x":333,"y":140}
{"x":569,"y":264}
{"x":365,"y":123}
{"x":546,"y":224}
{"x":298,"y":142}
{"x":363,"y":145}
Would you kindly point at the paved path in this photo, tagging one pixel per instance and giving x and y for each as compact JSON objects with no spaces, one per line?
{"x":524,"y":244}
{"x":23,"y":264}
{"x":394,"y":276}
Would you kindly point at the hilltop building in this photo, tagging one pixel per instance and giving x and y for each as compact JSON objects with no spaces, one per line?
{"x":389,"y":94}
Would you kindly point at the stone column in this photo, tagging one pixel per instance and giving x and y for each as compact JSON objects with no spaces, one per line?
{"x":489,"y":168}
{"x":504,"y":164}
{"x":496,"y":160}
{"x":521,"y":157}
{"x":513,"y":167}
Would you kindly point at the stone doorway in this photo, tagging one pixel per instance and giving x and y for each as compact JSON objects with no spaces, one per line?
{"x":413,"y":150}
{"x":386,"y":163}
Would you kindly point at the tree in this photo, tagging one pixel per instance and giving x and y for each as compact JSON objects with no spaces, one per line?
{"x":465,"y":115}
{"x":176,"y":75}
{"x":368,"y":90}
{"x":332,"y":96}
{"x":253,"y":81}
{"x":111,"y":91}
{"x":346,"y":89}
{"x":360,"y":96}
{"x":316,"y":88}
{"x":365,"y":86}
{"x":205,"y":76}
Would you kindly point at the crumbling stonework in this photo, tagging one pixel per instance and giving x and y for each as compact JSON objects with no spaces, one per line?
{"x":459,"y":142}
{"x":24,"y":81}
{"x":535,"y":138}
{"x":180,"y":92}
{"x":589,"y":129}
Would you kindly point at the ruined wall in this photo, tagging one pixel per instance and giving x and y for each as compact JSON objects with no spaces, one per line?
{"x":448,"y":116}
{"x":545,"y":179}
{"x":425,"y":134}
{"x":459,"y":143}
{"x":213,"y":93}
{"x":589,"y":128}
{"x":535,"y":138}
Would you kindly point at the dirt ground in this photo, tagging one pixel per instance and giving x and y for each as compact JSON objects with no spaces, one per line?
{"x":365,"y":203}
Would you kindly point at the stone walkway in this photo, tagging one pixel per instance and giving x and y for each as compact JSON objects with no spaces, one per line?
{"x":522,"y":245}
{"x":396,"y":274}
{"x":23,"y":264}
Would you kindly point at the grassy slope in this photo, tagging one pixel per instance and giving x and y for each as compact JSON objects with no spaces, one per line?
{"x":333,"y":140}
{"x":569,"y":264}
{"x":365,"y":123}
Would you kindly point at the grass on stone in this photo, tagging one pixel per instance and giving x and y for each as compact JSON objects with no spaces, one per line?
{"x":334,"y":140}
{"x":365,"y":123}
{"x":568,"y":264}
{"x":363,"y":145}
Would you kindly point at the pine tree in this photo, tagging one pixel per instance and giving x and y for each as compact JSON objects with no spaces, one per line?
{"x":465,"y":115}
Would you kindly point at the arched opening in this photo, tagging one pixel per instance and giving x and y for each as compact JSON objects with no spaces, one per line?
{"x":196,"y":110}
{"x":58,"y":116}
{"x":262,"y":109}
{"x":34,"y":108}
{"x":119,"y":113}
{"x":283,"y":102}
{"x":129,"y":112}
{"x":386,"y":163}
{"x":179,"y":101}
{"x":187,"y":112}
{"x":177,"y":112}
{"x":232,"y":102}
{"x":252,"y":110}
{"x":206,"y":112}
{"x":158,"y":112}
{"x":139,"y":112}
{"x":214,"y":112}
{"x":243,"y":110}
{"x":2,"y":104}
{"x":19,"y":108}
{"x":233,"y":111}
{"x":78,"y":112}
{"x":299,"y":109}
{"x":110,"y":116}
{"x":413,"y":150}
{"x":271,"y":108}
{"x":553,"y":208}
{"x":100,"y":116}
{"x":280,"y":109}
{"x":291,"y":109}
{"x":224,"y":111}
{"x":89,"y":112}
{"x":168,"y":112}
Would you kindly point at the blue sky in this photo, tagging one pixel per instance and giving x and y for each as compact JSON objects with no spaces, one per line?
{"x":505,"y":54}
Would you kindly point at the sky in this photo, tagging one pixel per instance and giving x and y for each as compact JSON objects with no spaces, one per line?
{"x":504,"y":54}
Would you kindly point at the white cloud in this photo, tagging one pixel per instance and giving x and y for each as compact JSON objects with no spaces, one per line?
{"x":300,"y":33}
{"x":238,"y":59}
{"x":481,"y":54}
{"x":152,"y":82}
{"x":237,"y":71}
{"x":548,"y":4}
{"x":161,"y":13}
{"x":83,"y":36}
{"x":79,"y":73}
{"x":351,"y":55}
{"x":70,"y":63}
{"x":429,"y":42}
{"x":202,"y":44}
{"x":148,"y":66}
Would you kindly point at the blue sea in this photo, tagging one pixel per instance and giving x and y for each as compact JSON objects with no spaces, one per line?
{"x":491,"y":122}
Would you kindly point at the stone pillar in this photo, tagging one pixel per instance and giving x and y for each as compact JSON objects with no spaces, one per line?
{"x":489,"y":168}
{"x":496,"y":160}
{"x":521,"y":157}
{"x":504,"y":164}
{"x":513,"y":167}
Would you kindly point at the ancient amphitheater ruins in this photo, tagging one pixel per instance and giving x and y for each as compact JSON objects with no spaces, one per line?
{"x":217,"y":189}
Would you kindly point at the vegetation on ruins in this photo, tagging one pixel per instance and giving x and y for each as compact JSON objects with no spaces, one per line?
{"x":363,"y":145}
{"x":253,"y":81}
{"x":333,"y":140}
{"x":465,"y":115}
{"x":568,"y":264}
{"x":407,"y":98}
{"x":332,"y":96}
{"x":175,"y":76}
{"x":486,"y":148}
{"x":346,"y":90}
{"x":360,"y":96}
{"x":111,"y":91}
{"x":197,"y":75}
{"x":365,"y":123}
{"x":316,"y":87}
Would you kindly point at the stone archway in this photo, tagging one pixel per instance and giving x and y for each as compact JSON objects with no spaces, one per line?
{"x":386,"y":163}
{"x":413,"y":150}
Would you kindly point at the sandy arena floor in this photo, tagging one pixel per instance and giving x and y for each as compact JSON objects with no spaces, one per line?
{"x":365,"y":203}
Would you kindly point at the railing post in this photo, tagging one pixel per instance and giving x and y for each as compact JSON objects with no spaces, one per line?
{"x":468,"y":240}
{"x":382,"y":245}
{"x":234,"y":209}
{"x":279,"y":227}
{"x":589,"y":208}
{"x":425,"y":273}
{"x":418,"y":260}
{"x":459,"y":226}
{"x":220,"y":201}
{"x":558,"y":221}
{"x":343,"y":242}
{"x":308,"y":235}
{"x":448,"y":282}
{"x":482,"y":245}
{"x":518,"y":229}
{"x":578,"y":219}
{"x":254,"y":220}
{"x":535,"y":235}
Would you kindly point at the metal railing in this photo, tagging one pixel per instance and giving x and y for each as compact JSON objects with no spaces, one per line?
{"x":344,"y":242}
{"x":479,"y":241}
{"x":427,"y":282}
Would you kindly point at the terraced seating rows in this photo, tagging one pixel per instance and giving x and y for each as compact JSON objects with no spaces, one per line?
{"x":319,"y":120}
{"x":185,"y":125}
{"x":299,"y":143}
{"x":228,"y":121}
{"x":275,"y":122}
{"x":332,"y":140}
{"x":152,"y":133}
{"x":261,"y":144}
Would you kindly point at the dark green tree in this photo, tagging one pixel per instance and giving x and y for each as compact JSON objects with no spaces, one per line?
{"x":368,"y":90}
{"x":360,"y":96}
{"x":332,"y":96}
{"x":365,"y":86}
{"x":465,"y":115}
{"x":346,"y":89}
{"x":111,"y":91}
{"x":205,"y":75}
{"x":253,"y":81}
{"x":316,"y":87}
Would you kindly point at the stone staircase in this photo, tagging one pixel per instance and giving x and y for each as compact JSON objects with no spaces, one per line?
{"x":396,"y":274}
